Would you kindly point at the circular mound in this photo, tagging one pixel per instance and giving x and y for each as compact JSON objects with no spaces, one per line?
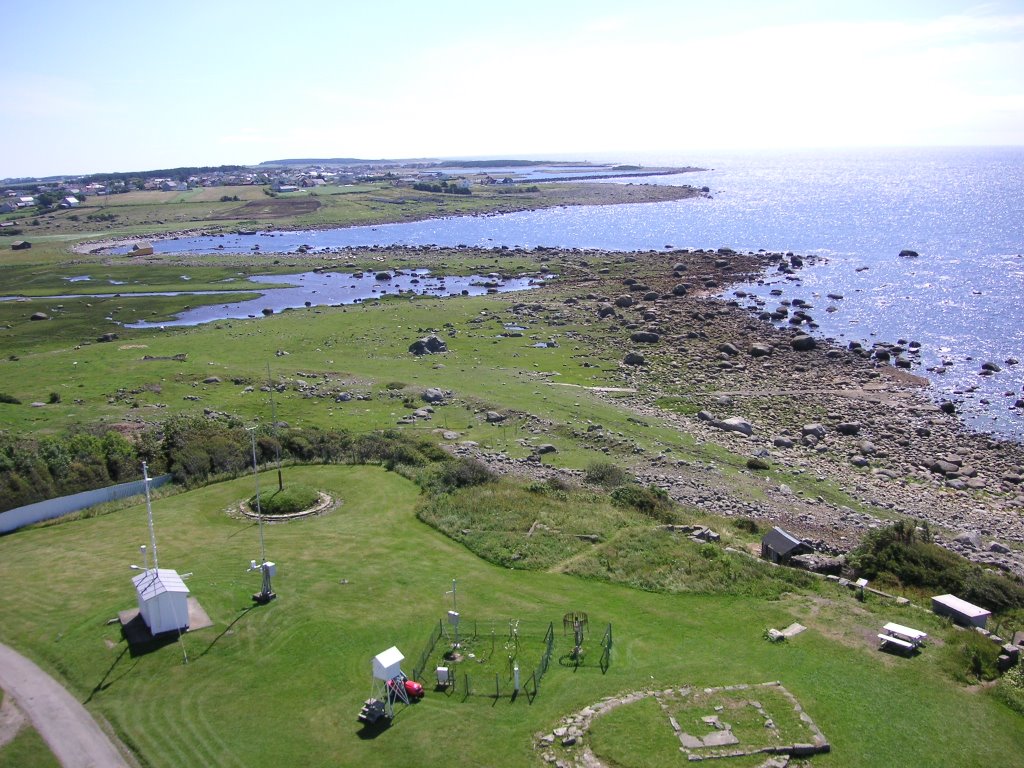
{"x":288,"y":501}
{"x":293,"y":502}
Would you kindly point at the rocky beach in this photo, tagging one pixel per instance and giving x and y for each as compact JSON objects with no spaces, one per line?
{"x":847,"y":417}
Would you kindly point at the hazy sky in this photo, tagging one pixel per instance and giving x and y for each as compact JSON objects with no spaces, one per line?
{"x":110,"y":85}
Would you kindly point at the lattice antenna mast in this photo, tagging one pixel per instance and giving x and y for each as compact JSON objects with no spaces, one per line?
{"x":149,"y":515}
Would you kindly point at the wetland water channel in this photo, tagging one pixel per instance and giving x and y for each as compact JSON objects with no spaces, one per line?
{"x":326,"y":288}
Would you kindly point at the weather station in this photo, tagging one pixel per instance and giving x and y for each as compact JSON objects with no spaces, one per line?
{"x":267,"y":569}
{"x":164,"y":604}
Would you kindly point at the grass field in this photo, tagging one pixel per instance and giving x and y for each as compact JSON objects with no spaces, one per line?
{"x":282,"y":684}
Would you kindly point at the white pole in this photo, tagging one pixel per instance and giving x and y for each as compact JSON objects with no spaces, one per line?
{"x":259,"y":509}
{"x":149,"y":514}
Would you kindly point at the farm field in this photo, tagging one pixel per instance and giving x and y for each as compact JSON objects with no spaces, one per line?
{"x":283,"y":683}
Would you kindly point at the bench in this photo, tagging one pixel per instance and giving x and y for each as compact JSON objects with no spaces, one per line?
{"x":903,"y":644}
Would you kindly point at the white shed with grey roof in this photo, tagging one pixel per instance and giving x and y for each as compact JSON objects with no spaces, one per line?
{"x":163,"y":600}
{"x":960,"y":611}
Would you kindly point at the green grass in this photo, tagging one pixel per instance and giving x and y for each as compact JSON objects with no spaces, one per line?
{"x":636,"y":736}
{"x":282,"y":684}
{"x":27,"y":750}
{"x":289,"y":500}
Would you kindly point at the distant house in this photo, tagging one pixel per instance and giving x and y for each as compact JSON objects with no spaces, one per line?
{"x":780,"y":546}
{"x":8,"y":206}
{"x":20,"y":245}
{"x":69,"y":202}
{"x":960,"y":611}
{"x":24,"y":202}
{"x":142,"y":249}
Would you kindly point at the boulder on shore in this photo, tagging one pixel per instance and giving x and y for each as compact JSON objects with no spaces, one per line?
{"x":803,"y":343}
{"x":428,"y":345}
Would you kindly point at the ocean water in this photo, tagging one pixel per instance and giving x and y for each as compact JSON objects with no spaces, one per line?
{"x":961,"y":209}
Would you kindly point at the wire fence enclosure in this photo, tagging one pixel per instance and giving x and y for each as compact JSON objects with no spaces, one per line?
{"x":13,"y":519}
{"x":493,"y":659}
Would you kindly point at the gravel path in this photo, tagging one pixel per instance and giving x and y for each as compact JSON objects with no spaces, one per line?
{"x":65,"y":725}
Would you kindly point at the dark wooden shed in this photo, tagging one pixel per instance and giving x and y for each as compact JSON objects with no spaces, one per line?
{"x":780,"y":546}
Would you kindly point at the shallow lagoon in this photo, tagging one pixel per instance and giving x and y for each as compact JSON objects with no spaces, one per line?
{"x":330,"y":288}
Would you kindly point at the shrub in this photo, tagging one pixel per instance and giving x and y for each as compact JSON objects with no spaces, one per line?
{"x":54,"y":398}
{"x":902,"y":555}
{"x":10,"y":399}
{"x":459,"y":473}
{"x":746,"y":525}
{"x":606,"y":474}
{"x":651,"y":501}
{"x":1011,"y":689}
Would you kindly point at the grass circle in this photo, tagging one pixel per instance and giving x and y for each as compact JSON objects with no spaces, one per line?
{"x":289,"y":501}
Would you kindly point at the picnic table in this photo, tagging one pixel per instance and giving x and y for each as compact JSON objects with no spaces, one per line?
{"x":908,"y":634}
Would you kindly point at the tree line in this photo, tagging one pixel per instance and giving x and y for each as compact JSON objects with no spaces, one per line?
{"x":194,"y":449}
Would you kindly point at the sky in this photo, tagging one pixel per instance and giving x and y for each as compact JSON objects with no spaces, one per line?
{"x":122,"y":86}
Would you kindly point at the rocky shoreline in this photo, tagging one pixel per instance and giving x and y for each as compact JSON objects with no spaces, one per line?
{"x":844,"y":418}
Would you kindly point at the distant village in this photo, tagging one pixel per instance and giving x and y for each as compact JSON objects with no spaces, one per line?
{"x":28,"y":196}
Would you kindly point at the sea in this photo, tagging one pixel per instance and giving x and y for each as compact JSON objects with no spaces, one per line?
{"x":960,"y":209}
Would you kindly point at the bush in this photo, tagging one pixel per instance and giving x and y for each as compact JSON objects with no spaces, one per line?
{"x":54,"y":398}
{"x":10,"y":399}
{"x":606,"y":474}
{"x":650,"y":501}
{"x":902,"y":555}
{"x":289,"y":501}
{"x":746,"y":525}
{"x":459,"y":473}
{"x":1011,"y":689}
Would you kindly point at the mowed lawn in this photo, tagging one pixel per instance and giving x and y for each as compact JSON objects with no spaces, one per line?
{"x":282,"y":684}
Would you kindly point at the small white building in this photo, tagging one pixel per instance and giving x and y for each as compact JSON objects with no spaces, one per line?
{"x":163,"y":600}
{"x":387,"y":665}
{"x":960,"y":611}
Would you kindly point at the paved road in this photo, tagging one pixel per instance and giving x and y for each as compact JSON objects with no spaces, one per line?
{"x":66,"y":726}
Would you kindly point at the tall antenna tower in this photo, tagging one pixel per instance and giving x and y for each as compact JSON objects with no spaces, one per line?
{"x":266,"y":593}
{"x":277,"y":440}
{"x":149,"y":516}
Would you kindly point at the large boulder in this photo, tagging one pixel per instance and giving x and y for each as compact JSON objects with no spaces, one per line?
{"x":633,"y":358}
{"x":803,"y":343}
{"x":428,"y":345}
{"x":817,"y":430}
{"x":433,"y":395}
{"x":625,"y":300}
{"x":645,"y":337}
{"x":729,"y":349}
{"x":735,"y":424}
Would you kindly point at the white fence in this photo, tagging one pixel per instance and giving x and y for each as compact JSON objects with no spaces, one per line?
{"x":13,"y":519}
